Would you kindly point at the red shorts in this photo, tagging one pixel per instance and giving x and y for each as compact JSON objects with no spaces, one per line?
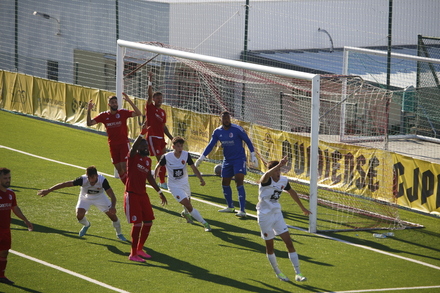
{"x":156,"y":145}
{"x":119,"y":152}
{"x":138,"y":208}
{"x":5,"y":239}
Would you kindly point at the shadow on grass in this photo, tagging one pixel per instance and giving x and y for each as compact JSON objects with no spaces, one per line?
{"x":227,"y":233}
{"x":18,"y":287}
{"x":166,"y":262}
{"x":45,"y":229}
{"x":386,"y":244}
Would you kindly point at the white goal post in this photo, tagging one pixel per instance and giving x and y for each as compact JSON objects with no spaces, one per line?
{"x":315,"y":100}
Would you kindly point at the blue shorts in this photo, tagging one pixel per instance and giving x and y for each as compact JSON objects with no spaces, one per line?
{"x":230,"y":168}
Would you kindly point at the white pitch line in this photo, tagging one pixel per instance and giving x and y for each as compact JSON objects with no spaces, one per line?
{"x":68,"y":272}
{"x":387,"y":289}
{"x":213,"y":204}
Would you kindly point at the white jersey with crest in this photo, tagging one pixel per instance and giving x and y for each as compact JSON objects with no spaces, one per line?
{"x":269,"y":194}
{"x":176,"y":169}
{"x":91,"y":191}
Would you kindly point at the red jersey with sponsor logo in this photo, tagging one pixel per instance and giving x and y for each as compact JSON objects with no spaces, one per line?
{"x":138,"y":168}
{"x":156,"y":118}
{"x":7,"y":202}
{"x":115,"y":124}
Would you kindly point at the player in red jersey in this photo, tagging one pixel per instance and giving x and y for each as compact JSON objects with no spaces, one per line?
{"x":115,"y":121}
{"x":137,"y":204}
{"x":8,"y":202}
{"x":156,"y":129}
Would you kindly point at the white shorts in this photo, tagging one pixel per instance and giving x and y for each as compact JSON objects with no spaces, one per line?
{"x":102,"y":202}
{"x":180,"y":192}
{"x":271,"y":225}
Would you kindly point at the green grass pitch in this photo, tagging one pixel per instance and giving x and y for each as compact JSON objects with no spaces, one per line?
{"x":231,"y":258}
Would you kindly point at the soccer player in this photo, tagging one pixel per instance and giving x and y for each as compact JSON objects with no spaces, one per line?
{"x":137,"y":206}
{"x":270,"y":218}
{"x":8,"y":202}
{"x":91,"y":193}
{"x":176,"y":162}
{"x":156,"y":129}
{"x":231,"y":137}
{"x":115,"y":122}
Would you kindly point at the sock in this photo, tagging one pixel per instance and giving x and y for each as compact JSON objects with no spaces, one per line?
{"x":3,"y":262}
{"x":242,"y":197}
{"x":293,"y":256}
{"x":84,"y":222}
{"x":117,"y":226}
{"x":145,"y":232}
{"x":227,"y":193}
{"x":162,"y":171}
{"x":135,"y":231}
{"x":196,"y":215}
{"x":123,"y":177}
{"x":273,"y":262}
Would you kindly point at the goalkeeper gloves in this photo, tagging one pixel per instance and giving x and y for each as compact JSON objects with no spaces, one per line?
{"x":254,"y":160}
{"x":199,"y":160}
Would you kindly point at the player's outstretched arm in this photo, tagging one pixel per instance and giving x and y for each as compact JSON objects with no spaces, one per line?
{"x":45,"y":192}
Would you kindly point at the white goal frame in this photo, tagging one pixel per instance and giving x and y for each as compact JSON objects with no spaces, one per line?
{"x":345,"y":63}
{"x":314,"y":78}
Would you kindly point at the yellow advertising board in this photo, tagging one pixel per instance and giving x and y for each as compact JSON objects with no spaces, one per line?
{"x":363,"y":171}
{"x":417,"y":184}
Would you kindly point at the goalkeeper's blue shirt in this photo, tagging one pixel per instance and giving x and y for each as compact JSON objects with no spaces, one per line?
{"x":232,"y":142}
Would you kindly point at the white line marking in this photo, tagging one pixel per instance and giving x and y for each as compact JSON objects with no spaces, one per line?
{"x":387,"y":289}
{"x":68,"y":272}
{"x":293,"y":227}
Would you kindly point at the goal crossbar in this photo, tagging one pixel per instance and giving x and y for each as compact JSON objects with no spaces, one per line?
{"x":313,"y":78}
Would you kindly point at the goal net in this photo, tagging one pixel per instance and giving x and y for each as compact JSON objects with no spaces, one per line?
{"x":276,"y":107}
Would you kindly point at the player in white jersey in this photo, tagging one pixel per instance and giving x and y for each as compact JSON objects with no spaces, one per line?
{"x":93,"y":186}
{"x":176,"y":163}
{"x":271,"y":219}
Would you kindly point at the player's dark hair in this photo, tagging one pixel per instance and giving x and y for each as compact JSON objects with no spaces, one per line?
{"x":91,"y":171}
{"x":225,"y":113}
{"x":111,"y":98}
{"x":178,"y":139}
{"x":4,"y":171}
{"x":272,"y":164}
{"x":157,"y":94}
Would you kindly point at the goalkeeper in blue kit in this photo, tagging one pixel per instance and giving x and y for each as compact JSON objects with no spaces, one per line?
{"x":231,"y":137}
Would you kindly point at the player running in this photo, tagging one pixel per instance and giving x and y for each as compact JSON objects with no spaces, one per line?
{"x":176,"y":162}
{"x":231,"y":137}
{"x":115,"y":122}
{"x":91,"y":193}
{"x":270,"y":218}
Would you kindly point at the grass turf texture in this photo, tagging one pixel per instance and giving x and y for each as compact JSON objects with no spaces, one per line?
{"x":231,"y":258}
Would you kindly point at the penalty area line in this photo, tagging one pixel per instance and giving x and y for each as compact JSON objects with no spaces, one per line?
{"x":68,"y":271}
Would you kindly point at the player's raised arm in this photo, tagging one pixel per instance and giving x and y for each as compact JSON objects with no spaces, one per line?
{"x":90,"y":121}
{"x":137,"y":112}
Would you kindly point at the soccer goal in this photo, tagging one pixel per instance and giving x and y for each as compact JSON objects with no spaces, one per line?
{"x":286,"y":113}
{"x":414,"y":80}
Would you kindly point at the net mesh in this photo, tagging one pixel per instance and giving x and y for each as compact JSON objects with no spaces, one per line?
{"x":276,"y":112}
